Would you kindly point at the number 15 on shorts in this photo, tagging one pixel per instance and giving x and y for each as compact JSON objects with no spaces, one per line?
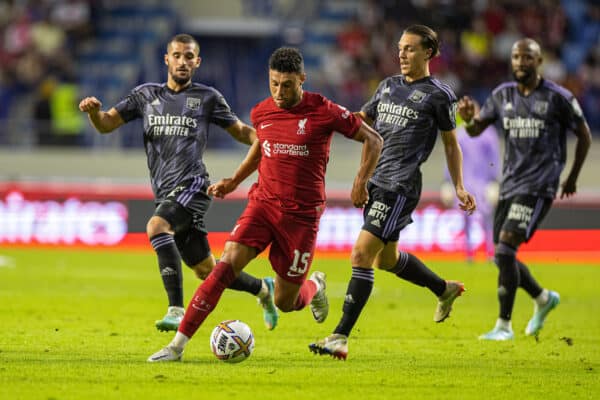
{"x":300,"y":264}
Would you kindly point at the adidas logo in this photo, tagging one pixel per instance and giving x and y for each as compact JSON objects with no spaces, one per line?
{"x":168,"y":271}
{"x":349,"y":299}
{"x":376,"y":223}
{"x":155,"y":102}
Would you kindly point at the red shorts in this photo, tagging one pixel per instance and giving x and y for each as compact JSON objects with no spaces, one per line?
{"x":292,"y":238}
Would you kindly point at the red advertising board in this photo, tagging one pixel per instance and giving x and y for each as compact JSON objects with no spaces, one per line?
{"x":99,"y":214}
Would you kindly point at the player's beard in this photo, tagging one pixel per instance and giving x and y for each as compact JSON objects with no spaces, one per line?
{"x":527,"y":75}
{"x":292,"y":101}
{"x":181,"y":80}
{"x":184,"y":79}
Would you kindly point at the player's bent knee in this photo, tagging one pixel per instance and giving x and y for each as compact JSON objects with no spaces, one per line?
{"x":157,"y":225}
{"x":361,"y":257}
{"x":203,"y":268}
{"x":237,"y":255}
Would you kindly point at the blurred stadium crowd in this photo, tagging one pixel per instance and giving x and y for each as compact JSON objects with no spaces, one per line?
{"x":53,"y":52}
{"x":38,"y":69}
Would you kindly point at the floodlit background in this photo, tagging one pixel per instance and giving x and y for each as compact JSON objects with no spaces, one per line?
{"x":53,"y":53}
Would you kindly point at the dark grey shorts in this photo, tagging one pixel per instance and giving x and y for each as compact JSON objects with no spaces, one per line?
{"x":184,"y":208}
{"x":387,"y":213}
{"x":520,"y":214}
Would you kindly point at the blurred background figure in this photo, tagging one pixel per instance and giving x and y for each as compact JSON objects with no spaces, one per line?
{"x":42,"y":116}
{"x":345,"y":44}
{"x":481,"y":171}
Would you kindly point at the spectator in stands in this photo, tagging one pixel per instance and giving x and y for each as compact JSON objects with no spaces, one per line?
{"x":353,"y":39}
{"x":67,"y":122}
{"x":74,"y":16}
{"x":42,"y":116}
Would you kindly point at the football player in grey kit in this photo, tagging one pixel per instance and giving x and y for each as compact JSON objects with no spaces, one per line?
{"x":176,"y":116}
{"x":534,"y":115}
{"x":407,"y":110}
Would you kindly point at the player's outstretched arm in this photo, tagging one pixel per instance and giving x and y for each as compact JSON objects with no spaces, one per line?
{"x":584,"y":141}
{"x":104,"y":122}
{"x":372,"y":145}
{"x":242,"y":132}
{"x":245,"y":169}
{"x":467,"y":109}
{"x":454,"y":161}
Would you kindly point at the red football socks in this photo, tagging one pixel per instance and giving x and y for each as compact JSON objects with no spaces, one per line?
{"x":206,"y":298}
{"x":307,"y":292}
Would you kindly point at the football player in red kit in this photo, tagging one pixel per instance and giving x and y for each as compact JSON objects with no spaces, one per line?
{"x":294,"y":132}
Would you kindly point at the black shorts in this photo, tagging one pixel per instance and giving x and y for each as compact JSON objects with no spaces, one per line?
{"x":184,"y":209}
{"x":387,"y":213}
{"x":520,"y":214}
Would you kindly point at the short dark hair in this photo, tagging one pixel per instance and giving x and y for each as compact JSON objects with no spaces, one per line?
{"x":287,"y":59}
{"x":183,"y":38}
{"x":429,"y":38}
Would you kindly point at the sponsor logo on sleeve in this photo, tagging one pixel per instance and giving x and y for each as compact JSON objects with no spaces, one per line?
{"x":452,"y":111}
{"x":345,"y":113}
{"x":576,"y":107}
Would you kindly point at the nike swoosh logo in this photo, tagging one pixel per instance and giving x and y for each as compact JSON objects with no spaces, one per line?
{"x":293,"y":274}
{"x":263,"y":126}
{"x":200,"y":308}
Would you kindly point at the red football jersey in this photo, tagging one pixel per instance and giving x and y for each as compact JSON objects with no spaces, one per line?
{"x":295,"y":149}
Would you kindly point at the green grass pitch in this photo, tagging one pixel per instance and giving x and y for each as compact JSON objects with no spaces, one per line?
{"x":80,"y":325}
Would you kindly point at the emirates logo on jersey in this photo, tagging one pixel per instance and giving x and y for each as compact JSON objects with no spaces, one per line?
{"x":302,"y":126}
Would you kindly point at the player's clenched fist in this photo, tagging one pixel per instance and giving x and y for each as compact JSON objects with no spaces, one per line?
{"x":466,"y":108}
{"x":90,"y":104}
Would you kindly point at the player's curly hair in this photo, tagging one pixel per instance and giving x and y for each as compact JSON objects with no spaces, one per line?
{"x":429,"y":38}
{"x":287,"y":59}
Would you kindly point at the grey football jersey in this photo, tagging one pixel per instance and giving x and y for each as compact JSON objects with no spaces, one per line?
{"x":175,"y":128}
{"x":408,"y":116}
{"x":535,"y":129}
